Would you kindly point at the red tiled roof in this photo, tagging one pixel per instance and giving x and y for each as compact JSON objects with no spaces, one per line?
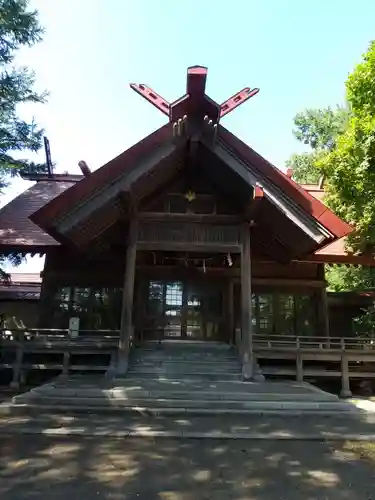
{"x":16,"y":229}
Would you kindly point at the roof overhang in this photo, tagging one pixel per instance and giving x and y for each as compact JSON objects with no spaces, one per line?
{"x":298,"y":223}
{"x":287,"y":206}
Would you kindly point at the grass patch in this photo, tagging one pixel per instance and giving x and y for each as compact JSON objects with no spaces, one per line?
{"x":362,"y":449}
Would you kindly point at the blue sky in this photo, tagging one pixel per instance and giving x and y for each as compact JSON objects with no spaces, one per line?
{"x":299,"y":53}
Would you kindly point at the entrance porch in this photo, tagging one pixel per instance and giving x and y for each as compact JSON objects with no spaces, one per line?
{"x":184,"y":309}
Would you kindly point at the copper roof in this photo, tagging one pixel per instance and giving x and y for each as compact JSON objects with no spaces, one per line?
{"x":16,"y":229}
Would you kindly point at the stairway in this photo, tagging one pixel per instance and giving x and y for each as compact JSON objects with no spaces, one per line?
{"x":177,"y":377}
{"x":179,"y":360}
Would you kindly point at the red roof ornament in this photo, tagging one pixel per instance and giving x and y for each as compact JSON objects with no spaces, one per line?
{"x":195,"y":107}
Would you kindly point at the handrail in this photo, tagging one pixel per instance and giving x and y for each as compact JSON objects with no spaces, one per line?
{"x":268,"y":341}
{"x":315,"y":342}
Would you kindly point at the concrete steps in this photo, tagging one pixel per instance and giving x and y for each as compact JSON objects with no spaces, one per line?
{"x":179,"y":378}
{"x":195,"y":360}
{"x":182,"y":405}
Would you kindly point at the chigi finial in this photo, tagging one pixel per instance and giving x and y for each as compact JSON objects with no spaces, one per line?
{"x":195,"y":109}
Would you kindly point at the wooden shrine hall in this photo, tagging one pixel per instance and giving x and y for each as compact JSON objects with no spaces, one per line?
{"x":188,"y":235}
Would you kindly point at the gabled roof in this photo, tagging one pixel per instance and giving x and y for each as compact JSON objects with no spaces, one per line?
{"x":16,"y":228}
{"x":87,"y":205}
{"x":122,"y":165}
{"x":100,"y":178}
{"x":306,"y":200}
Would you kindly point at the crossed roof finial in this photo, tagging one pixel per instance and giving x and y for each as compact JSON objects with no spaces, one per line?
{"x":195,"y":104}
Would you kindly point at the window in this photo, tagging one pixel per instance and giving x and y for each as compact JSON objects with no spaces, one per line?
{"x":265,"y":313}
{"x":97,"y":308}
{"x":155,"y":298}
{"x":283,"y":313}
{"x":285,"y":319}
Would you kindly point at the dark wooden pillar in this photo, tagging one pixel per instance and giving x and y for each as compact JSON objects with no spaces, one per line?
{"x":230,"y":310}
{"x":126,"y":328}
{"x":246,"y":332}
{"x":250,"y":369}
{"x":322,"y":304}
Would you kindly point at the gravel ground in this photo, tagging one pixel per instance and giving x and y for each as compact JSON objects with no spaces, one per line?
{"x":42,"y":468}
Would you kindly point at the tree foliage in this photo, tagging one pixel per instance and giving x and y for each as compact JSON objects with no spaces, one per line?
{"x":342,"y":150}
{"x":350,"y":278}
{"x":350,"y":167}
{"x":318,"y":129}
{"x":18,"y":27}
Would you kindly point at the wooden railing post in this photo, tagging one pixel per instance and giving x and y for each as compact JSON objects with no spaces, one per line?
{"x":66,"y":362}
{"x":15,"y":384}
{"x":345,"y":381}
{"x":299,"y":362}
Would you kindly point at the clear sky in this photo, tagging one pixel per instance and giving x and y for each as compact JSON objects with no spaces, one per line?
{"x":299,"y":53}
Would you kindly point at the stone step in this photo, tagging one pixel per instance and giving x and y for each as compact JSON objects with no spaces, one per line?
{"x":83,"y":407}
{"x":187,"y":368}
{"x":197,"y":345}
{"x":201,"y":376}
{"x":137,"y":394}
{"x":139,"y":358}
{"x":188,"y":404}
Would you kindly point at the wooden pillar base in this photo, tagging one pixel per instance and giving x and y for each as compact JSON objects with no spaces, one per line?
{"x":346,"y":393}
{"x":258,"y":375}
{"x":299,"y":368}
{"x":247,"y":367}
{"x":122,"y":364}
{"x":251,"y":370}
{"x":345,"y":380}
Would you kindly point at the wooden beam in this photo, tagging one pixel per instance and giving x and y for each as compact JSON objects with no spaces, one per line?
{"x":198,"y":218}
{"x":189,"y":247}
{"x":304,"y":221}
{"x":289,"y":282}
{"x":123,"y":183}
{"x":253,"y":208}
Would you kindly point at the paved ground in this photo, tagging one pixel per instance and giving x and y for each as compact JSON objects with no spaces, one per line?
{"x":42,"y":468}
{"x":311,"y":427}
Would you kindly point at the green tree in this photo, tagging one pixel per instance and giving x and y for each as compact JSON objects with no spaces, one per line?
{"x":18,"y":27}
{"x":318,"y":129}
{"x":350,"y":167}
{"x":350,"y":277}
{"x":342,"y":150}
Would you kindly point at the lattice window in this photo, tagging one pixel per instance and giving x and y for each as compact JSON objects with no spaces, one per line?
{"x":173,"y":294}
{"x":265,"y":313}
{"x":283,"y":313}
{"x":98,"y":308}
{"x":155,"y":298}
{"x":305,"y":314}
{"x":285,"y":317}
